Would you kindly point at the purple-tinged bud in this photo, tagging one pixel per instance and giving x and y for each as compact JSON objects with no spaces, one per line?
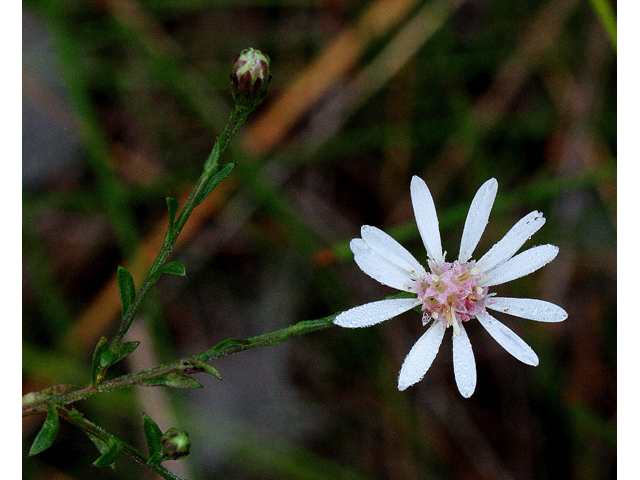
{"x":175,"y":444}
{"x":250,"y":78}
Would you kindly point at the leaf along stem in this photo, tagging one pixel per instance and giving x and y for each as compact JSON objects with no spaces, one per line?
{"x":237,"y":118}
{"x":184,"y":365}
{"x":75,"y":418}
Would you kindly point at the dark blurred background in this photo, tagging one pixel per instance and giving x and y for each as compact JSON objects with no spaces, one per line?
{"x":122,"y":101}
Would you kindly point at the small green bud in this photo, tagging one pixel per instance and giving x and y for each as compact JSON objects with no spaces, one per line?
{"x":175,"y":444}
{"x":250,"y":78}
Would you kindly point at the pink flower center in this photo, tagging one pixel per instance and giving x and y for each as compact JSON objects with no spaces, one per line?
{"x":451,"y":294}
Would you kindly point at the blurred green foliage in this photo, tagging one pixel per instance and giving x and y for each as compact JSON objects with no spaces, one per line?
{"x":122,"y":101}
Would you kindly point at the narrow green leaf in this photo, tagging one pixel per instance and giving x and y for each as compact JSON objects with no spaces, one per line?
{"x":155,"y":459}
{"x":193,"y":365}
{"x":96,"y":368}
{"x":172,"y":206}
{"x":215,"y":180}
{"x":108,"y":358}
{"x":100,"y":444}
{"x":110,"y":456}
{"x":103,"y":358}
{"x":127,"y":289}
{"x":230,"y":343}
{"x":211,"y":371}
{"x":174,"y":268}
{"x":126,"y":348}
{"x":153,"y":436}
{"x":47,"y":434}
{"x":173,"y":380}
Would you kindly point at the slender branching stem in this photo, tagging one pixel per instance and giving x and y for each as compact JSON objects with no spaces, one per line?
{"x":237,"y":118}
{"x":163,"y":254}
{"x":222,"y":349}
{"x":251,"y":70}
{"x":100,"y":433}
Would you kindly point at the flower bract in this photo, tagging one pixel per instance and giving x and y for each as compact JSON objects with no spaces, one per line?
{"x":250,"y":78}
{"x":450,"y":294}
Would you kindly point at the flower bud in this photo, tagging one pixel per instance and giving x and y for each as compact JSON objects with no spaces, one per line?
{"x":175,"y":444}
{"x":250,"y":78}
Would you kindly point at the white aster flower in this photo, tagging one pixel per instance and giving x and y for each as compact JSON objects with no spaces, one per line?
{"x":450,"y":294}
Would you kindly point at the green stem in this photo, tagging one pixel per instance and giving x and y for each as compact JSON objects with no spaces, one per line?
{"x":231,"y":346}
{"x":161,"y":258}
{"x":96,"y":431}
{"x":237,"y":118}
{"x":222,"y":349}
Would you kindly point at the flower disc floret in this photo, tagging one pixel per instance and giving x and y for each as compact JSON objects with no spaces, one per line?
{"x":451,"y":293}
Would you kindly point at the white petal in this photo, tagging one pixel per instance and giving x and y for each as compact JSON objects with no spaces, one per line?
{"x":390,"y":249}
{"x":381,"y":269}
{"x":464,"y":364}
{"x":421,"y":356}
{"x":426,"y":218}
{"x":374,"y":312}
{"x":522,"y":264}
{"x":511,"y":242}
{"x":477,"y":219}
{"x":529,"y":308}
{"x":511,"y":342}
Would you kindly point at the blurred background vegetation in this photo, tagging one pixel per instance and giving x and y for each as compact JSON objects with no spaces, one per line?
{"x":122,"y":100}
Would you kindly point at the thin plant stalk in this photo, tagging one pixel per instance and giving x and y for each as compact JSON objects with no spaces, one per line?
{"x":64,"y":395}
{"x":100,"y":433}
{"x":237,"y":118}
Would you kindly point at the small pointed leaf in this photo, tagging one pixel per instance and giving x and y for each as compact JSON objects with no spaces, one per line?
{"x":126,"y":348}
{"x":103,"y":358}
{"x":215,"y":180}
{"x":206,"y":368}
{"x":127,"y":289}
{"x":108,"y":358}
{"x":193,"y":365}
{"x":211,"y":371}
{"x":173,"y":380}
{"x":155,"y":459}
{"x":47,"y":434}
{"x":174,"y":268}
{"x":230,"y":343}
{"x":96,"y":368}
{"x":109,"y":457}
{"x":100,"y":444}
{"x":153,"y":436}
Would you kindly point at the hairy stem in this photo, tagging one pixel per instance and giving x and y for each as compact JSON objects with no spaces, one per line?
{"x":98,"y":432}
{"x":222,"y":349}
{"x":163,"y":254}
{"x":237,"y":118}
